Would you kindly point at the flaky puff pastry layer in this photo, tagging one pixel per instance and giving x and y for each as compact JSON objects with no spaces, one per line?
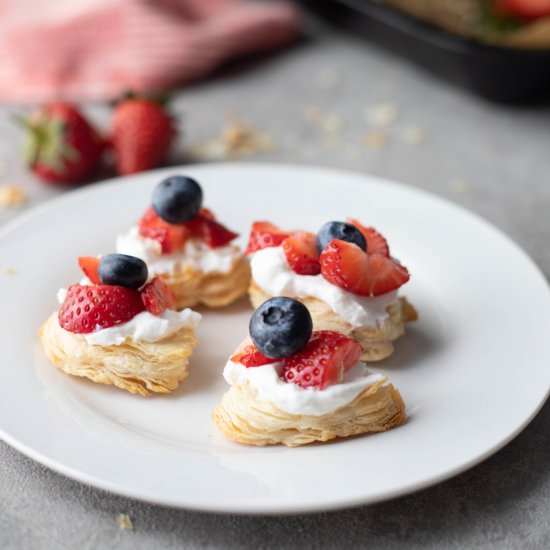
{"x":245,"y":418}
{"x":214,"y":289}
{"x":377,"y":341}
{"x":138,"y":367}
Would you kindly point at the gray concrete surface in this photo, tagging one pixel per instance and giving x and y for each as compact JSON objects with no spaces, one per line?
{"x":492,"y":159}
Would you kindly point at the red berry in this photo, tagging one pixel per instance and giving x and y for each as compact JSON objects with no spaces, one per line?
{"x":142,"y":133}
{"x":103,"y":306}
{"x":265,"y":235}
{"x":171,"y":237}
{"x":157,"y":297}
{"x":206,"y":213}
{"x":62,"y":146}
{"x":248,"y":355}
{"x":301,"y":253}
{"x":525,"y":9}
{"x":207,"y":229}
{"x":323,"y":361}
{"x":89,"y":266}
{"x":376,"y":244}
{"x":345,"y":265}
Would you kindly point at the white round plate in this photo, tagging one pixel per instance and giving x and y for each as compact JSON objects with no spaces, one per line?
{"x":473,"y":370}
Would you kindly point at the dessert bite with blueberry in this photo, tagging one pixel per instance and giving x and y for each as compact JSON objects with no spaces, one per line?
{"x":294,"y":385}
{"x":187,"y":247}
{"x":344,"y":274}
{"x":119,"y":326}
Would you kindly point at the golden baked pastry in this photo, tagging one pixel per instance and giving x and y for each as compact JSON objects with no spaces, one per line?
{"x":213,"y":289}
{"x":377,"y":342}
{"x":136,"y":366}
{"x":245,"y":418}
{"x":182,"y":242}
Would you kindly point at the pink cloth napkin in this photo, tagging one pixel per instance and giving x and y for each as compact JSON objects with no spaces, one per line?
{"x":99,"y":49}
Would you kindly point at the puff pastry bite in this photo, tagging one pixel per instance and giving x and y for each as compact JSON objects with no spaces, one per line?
{"x":344,"y":274}
{"x":317,"y":390}
{"x":187,"y":247}
{"x":118,"y":327}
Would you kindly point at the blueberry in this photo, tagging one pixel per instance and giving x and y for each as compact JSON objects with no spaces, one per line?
{"x":280,"y":327}
{"x":342,"y":231}
{"x":122,"y":270}
{"x":177,"y":199}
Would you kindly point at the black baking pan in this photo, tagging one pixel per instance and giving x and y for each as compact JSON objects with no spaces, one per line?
{"x":498,"y":73}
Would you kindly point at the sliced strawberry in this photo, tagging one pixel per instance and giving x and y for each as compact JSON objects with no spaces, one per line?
{"x":345,"y":265}
{"x":87,"y":307}
{"x":207,"y":229}
{"x":301,"y":253}
{"x":89,"y":266}
{"x":248,"y":355}
{"x":157,"y":297}
{"x":171,"y":237}
{"x":206,"y":213}
{"x":265,"y":235}
{"x":323,"y":361}
{"x":214,"y":234}
{"x":376,"y":244}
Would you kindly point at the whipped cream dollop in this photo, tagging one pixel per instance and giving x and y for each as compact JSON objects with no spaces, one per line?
{"x":61,"y":295}
{"x":194,"y":253}
{"x":271,"y":272}
{"x":143,"y":327}
{"x":294,"y":399}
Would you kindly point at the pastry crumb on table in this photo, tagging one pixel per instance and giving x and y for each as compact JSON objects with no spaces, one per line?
{"x":329,"y":79}
{"x":12,"y":195}
{"x":314,"y":114}
{"x":124,"y":522}
{"x":236,"y":140}
{"x":382,"y":115}
{"x":413,"y":135}
{"x":459,"y":186}
{"x":376,"y":139}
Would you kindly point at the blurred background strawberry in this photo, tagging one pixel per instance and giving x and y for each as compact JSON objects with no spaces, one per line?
{"x":61,"y":145}
{"x":141,"y":134}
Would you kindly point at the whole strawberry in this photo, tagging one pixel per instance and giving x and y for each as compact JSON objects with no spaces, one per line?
{"x":61,"y":146}
{"x":141,"y":135}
